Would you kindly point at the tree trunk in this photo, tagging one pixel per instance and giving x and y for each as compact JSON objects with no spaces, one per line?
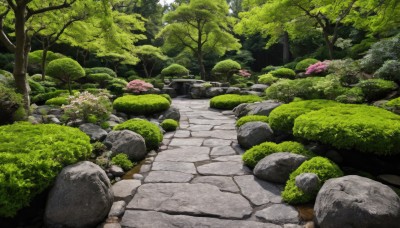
{"x":201,"y":66}
{"x":69,"y":87}
{"x":151,"y":70}
{"x":286,"y":48}
{"x":43,"y":64}
{"x":145,"y":69}
{"x":329,"y":45}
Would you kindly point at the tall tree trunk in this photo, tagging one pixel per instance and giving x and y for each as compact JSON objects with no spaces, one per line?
{"x":43,"y":64}
{"x":145,"y":69}
{"x":151,"y":69}
{"x":329,"y":45}
{"x":286,"y":48}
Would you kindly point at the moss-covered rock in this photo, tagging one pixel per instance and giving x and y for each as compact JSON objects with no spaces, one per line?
{"x":169,"y":125}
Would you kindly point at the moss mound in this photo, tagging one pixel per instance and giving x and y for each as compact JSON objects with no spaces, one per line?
{"x":251,"y":118}
{"x":141,"y":104}
{"x":304,"y":64}
{"x":169,"y":125}
{"x":230,"y":101}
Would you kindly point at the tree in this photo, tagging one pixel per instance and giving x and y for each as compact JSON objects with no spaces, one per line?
{"x":149,"y":55}
{"x":66,"y":70}
{"x":201,"y":26}
{"x":226,"y":68}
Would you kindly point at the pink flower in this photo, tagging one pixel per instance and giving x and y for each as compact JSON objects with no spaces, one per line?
{"x":244,"y":73}
{"x":137,"y":86}
{"x":318,"y":67}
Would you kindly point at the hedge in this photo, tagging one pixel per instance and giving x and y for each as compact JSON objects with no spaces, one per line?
{"x":230,"y":101}
{"x":141,"y":104}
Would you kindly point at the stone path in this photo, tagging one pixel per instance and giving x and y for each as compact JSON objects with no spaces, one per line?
{"x":198,"y":179}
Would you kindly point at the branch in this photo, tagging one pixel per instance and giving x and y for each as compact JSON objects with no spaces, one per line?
{"x":3,"y":36}
{"x":66,"y":25}
{"x":65,"y":4}
{"x":12,"y":5}
{"x":184,"y":43}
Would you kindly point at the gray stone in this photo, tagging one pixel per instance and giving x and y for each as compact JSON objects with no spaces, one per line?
{"x":198,"y":91}
{"x":145,"y":168}
{"x":278,"y":166}
{"x":259,"y":192}
{"x":214,"y":91}
{"x":168,"y":177}
{"x":354,"y":201}
{"x":200,"y":127}
{"x":308,"y":182}
{"x":225,"y":184}
{"x":186,"y":142}
{"x":225,"y":127}
{"x":117,"y":209}
{"x":151,"y":219}
{"x":80,"y":197}
{"x":219,"y":134}
{"x":185,"y":154}
{"x":190,"y":199}
{"x":127,"y":142}
{"x":233,"y":90}
{"x":115,"y":119}
{"x":210,"y":122}
{"x":232,"y":158}
{"x":171,"y":113}
{"x":124,"y":189}
{"x":259,"y":87}
{"x":116,"y":171}
{"x":279,"y":214}
{"x":254,"y":133}
{"x":183,"y":167}
{"x":390,"y":179}
{"x":182,"y":134}
{"x":216,"y":142}
{"x":222,"y":151}
{"x":96,"y":133}
{"x":294,"y":226}
{"x":223,"y":169}
{"x":137,"y":176}
{"x":260,"y":108}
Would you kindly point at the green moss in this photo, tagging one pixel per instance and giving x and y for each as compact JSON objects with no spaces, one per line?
{"x":41,"y":98}
{"x":304,"y":64}
{"x":252,"y":156}
{"x":361,"y":127}
{"x":229,"y":101}
{"x":122,"y":161}
{"x":375,"y":89}
{"x":267,"y":79}
{"x":169,"y":125}
{"x":322,"y":167}
{"x":11,"y":105}
{"x":149,"y":131}
{"x":351,"y":96}
{"x":251,"y":118}
{"x":58,"y":101}
{"x":31,"y":156}
{"x":284,"y":73}
{"x":168,"y":97}
{"x":141,"y":104}
{"x":282,"y":118}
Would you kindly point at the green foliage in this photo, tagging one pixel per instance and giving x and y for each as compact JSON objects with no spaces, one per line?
{"x":31,"y":156}
{"x":268,"y":69}
{"x":98,"y":148}
{"x":291,"y":65}
{"x":117,"y":86}
{"x":66,"y":70}
{"x":252,"y":156}
{"x":41,"y":98}
{"x":304,"y":64}
{"x":375,"y":89}
{"x":175,"y":70}
{"x":100,"y":70}
{"x":226,"y":68}
{"x":352,"y":96}
{"x":284,"y":73}
{"x":169,"y":125}
{"x":229,"y":101}
{"x":251,"y":118}
{"x":348,"y":70}
{"x":149,"y":131}
{"x":99,"y":77}
{"x":282,"y":118}
{"x":167,"y":96}
{"x":11,"y":105}
{"x":141,"y":104}
{"x":364,"y":128}
{"x":36,"y":88}
{"x":286,"y":90}
{"x":57,"y":101}
{"x":267,"y":79}
{"x":322,"y":167}
{"x":390,"y":70}
{"x":357,"y":51}
{"x":122,"y":161}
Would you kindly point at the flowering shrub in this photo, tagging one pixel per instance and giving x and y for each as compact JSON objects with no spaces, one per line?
{"x":88,"y":107}
{"x":244,"y":73}
{"x":137,"y":86}
{"x":317,"y":68}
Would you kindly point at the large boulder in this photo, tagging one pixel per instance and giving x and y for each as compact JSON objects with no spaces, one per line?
{"x":259,"y":87}
{"x":95,"y":132}
{"x":354,"y":201}
{"x":81,"y":197}
{"x":277,"y":167}
{"x":198,"y":91}
{"x":171,"y":113}
{"x":233,"y":90}
{"x":261,"y":108}
{"x":308,"y":182}
{"x":214,"y":91}
{"x":127,"y":142}
{"x":254,"y":133}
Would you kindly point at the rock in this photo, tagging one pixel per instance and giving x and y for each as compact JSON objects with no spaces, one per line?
{"x":95,"y":132}
{"x":260,"y":108}
{"x":279,"y":214}
{"x":168,"y":177}
{"x":185,"y":154}
{"x":233,"y":90}
{"x":190,"y":199}
{"x":183,"y":167}
{"x":259,"y":87}
{"x":137,"y":176}
{"x":214,"y":91}
{"x":223,"y":169}
{"x":308,"y":182}
{"x":117,"y":209}
{"x":278,"y":166}
{"x":171,"y":113}
{"x":170,"y":91}
{"x":231,"y":158}
{"x":115,"y":119}
{"x":219,"y":134}
{"x":390,"y":179}
{"x":186,"y":142}
{"x":116,"y":171}
{"x":334,"y":156}
{"x":225,"y":184}
{"x":75,"y":123}
{"x":124,"y":189}
{"x":217,"y":142}
{"x":254,"y":133}
{"x":182,"y":134}
{"x":80,"y":197}
{"x":260,"y":94}
{"x":127,"y":142}
{"x":198,"y":91}
{"x":354,"y":201}
{"x":222,"y":151}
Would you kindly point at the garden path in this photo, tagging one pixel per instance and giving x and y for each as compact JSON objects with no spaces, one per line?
{"x":198,"y":179}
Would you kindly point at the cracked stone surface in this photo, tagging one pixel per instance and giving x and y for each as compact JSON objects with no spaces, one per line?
{"x":168,"y":177}
{"x":224,"y":169}
{"x":223,"y":183}
{"x":222,"y":151}
{"x":279,"y":214}
{"x":183,"y":167}
{"x":186,"y":154}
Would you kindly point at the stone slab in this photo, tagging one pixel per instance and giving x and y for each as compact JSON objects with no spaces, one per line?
{"x":279,"y":214}
{"x":225,"y":184}
{"x":223,"y":169}
{"x":124,"y":189}
{"x":216,"y":142}
{"x":182,"y":134}
{"x":186,"y":142}
{"x":184,"y":154}
{"x":218,"y":134}
{"x":183,"y":167}
{"x":200,"y":127}
{"x":232,"y":158}
{"x":168,"y":177}
{"x":222,"y":151}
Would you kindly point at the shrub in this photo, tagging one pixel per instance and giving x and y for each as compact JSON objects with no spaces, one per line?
{"x":102,"y":70}
{"x":101,"y":78}
{"x":149,"y":131}
{"x":117,"y":86}
{"x":268,"y":69}
{"x":66,"y":70}
{"x":122,"y":161}
{"x":226,"y":68}
{"x":322,"y":167}
{"x":41,"y":98}
{"x":138,"y":86}
{"x":90,"y":86}
{"x":291,"y":65}
{"x":375,"y":89}
{"x":11,"y":105}
{"x":36,"y":87}
{"x":167,"y":96}
{"x":31,"y":156}
{"x":252,"y":156}
{"x":348,"y":70}
{"x":175,"y":70}
{"x":329,"y":87}
{"x":267,"y":79}
{"x":282,"y":118}
{"x":364,"y":128}
{"x":317,"y":68}
{"x":229,"y":101}
{"x":58,"y":101}
{"x":286,"y":90}
{"x":141,"y":104}
{"x":351,"y":96}
{"x":390,"y":70}
{"x":251,"y":118}
{"x":169,"y":125}
{"x":283,"y":73}
{"x":98,"y":148}
{"x":304,"y":64}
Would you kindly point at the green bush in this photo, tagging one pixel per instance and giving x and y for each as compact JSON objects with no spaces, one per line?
{"x":268,"y":69}
{"x":36,"y":87}
{"x":99,"y":77}
{"x":169,"y":125}
{"x":225,"y":69}
{"x":251,"y":118}
{"x":282,"y":118}
{"x":66,"y":70}
{"x":284,"y":73}
{"x":149,"y":131}
{"x":167,"y":96}
{"x":361,"y":127}
{"x":141,"y":104}
{"x":322,"y":167}
{"x":90,"y":86}
{"x":11,"y":105}
{"x":351,"y":96}
{"x":229,"y":101}
{"x":291,"y":65}
{"x":31,"y":156}
{"x":41,"y":98}
{"x":98,"y":148}
{"x":267,"y":79}
{"x":286,"y":90}
{"x":122,"y":161}
{"x":390,"y":70}
{"x":252,"y":156}
{"x":117,"y":86}
{"x":393,"y":105}
{"x":97,"y":70}
{"x":348,"y":70}
{"x":58,"y":101}
{"x":175,"y":70}
{"x":375,"y":89}
{"x":304,"y":64}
